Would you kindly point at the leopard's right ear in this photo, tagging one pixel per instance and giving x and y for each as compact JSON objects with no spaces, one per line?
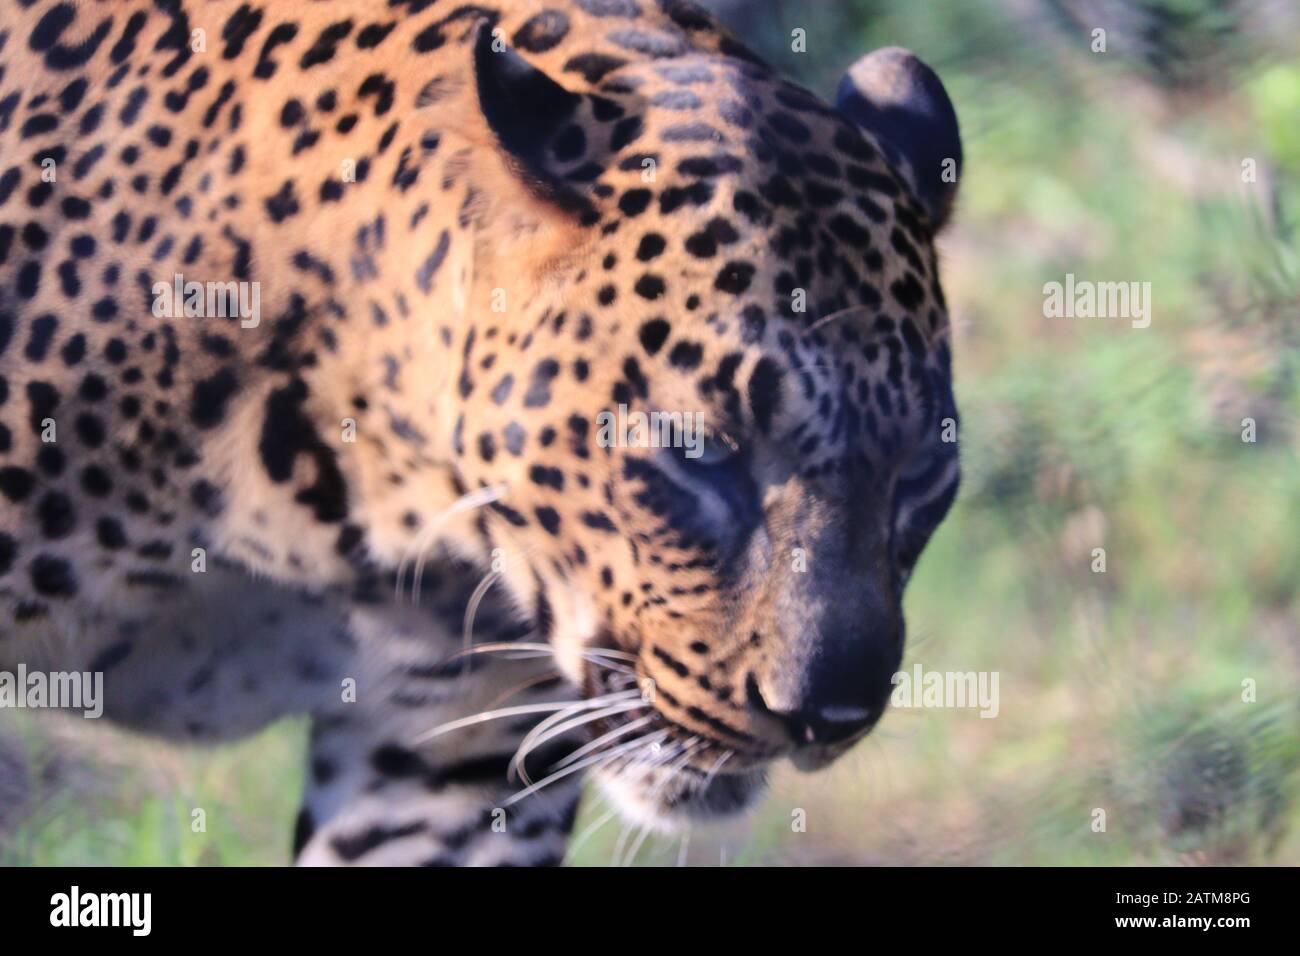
{"x":526,"y":111}
{"x":900,"y":101}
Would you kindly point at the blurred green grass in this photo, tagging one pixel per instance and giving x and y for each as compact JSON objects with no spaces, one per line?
{"x":1120,"y":691}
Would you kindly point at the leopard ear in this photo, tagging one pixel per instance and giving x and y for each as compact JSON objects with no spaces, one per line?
{"x":891,"y":94}
{"x":525,"y":110}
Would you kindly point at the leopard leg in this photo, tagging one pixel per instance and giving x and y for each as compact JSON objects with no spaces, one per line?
{"x":214,"y":657}
{"x":390,"y":783}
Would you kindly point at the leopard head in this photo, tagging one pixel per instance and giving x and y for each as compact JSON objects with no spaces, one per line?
{"x":721,"y":417}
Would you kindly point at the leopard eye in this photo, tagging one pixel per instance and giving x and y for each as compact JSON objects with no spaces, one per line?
{"x":711,"y":449}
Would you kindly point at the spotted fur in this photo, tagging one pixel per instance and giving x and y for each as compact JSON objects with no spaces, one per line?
{"x":474,"y":228}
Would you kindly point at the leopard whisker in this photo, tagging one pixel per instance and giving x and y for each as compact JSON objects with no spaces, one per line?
{"x":528,"y":745}
{"x":624,"y":832}
{"x":833,"y":316}
{"x":716,"y":768}
{"x":530,"y":739}
{"x":680,"y":756}
{"x":524,"y":685}
{"x":518,"y":710}
{"x":428,"y":536}
{"x":630,"y":858}
{"x":605,"y":738}
{"x":480,"y":592}
{"x":499,"y":646}
{"x":580,"y":765}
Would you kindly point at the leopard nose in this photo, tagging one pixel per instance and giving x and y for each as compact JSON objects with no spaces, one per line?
{"x":815,"y":722}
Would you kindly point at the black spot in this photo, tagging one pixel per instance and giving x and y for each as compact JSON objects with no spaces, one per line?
{"x":673,"y":198}
{"x":53,"y":577}
{"x":424,"y":275}
{"x":29,"y":280}
{"x":850,"y":231}
{"x":546,"y":477}
{"x":765,"y":392}
{"x":242,"y":24}
{"x":652,"y":245}
{"x":394,"y":760}
{"x":593,"y":66}
{"x":354,"y":846}
{"x":208,"y":402}
{"x":90,"y":430}
{"x":650,"y":287}
{"x":287,"y":432}
{"x":43,"y":400}
{"x":510,"y":514}
{"x":515,"y":436}
{"x":8,"y":550}
{"x":542,"y":32}
{"x":109,"y":533}
{"x":634,"y":201}
{"x":51,"y":460}
{"x":598,"y":520}
{"x":701,"y":245}
{"x":686,"y":355}
{"x":57,"y":516}
{"x":734,"y":277}
{"x":322,"y":51}
{"x":42,"y":334}
{"x":95,"y":481}
{"x":206,"y":497}
{"x":292,"y":113}
{"x":283,"y":204}
{"x":539,"y":386}
{"x":908,"y":292}
{"x":282,"y":34}
{"x":653,"y":335}
{"x":549,"y":519}
{"x":501,"y":391}
{"x":374,"y":34}
{"x":625,"y":132}
{"x":382,"y":89}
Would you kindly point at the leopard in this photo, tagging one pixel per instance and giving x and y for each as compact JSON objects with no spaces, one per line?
{"x":313,"y":319}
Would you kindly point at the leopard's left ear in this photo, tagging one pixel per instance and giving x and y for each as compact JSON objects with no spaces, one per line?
{"x":525,"y":110}
{"x":891,"y":94}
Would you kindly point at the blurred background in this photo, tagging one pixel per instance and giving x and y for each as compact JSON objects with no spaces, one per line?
{"x":1164,"y":691}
